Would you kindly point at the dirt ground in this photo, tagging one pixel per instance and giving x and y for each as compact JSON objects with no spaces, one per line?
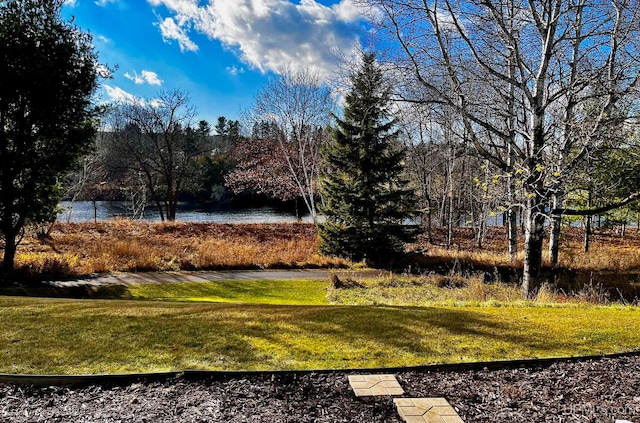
{"x":598,"y":390}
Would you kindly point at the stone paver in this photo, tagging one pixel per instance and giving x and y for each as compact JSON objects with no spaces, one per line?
{"x":426,"y":410}
{"x":369,"y":385}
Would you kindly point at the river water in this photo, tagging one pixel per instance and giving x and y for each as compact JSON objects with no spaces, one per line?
{"x":83,"y":211}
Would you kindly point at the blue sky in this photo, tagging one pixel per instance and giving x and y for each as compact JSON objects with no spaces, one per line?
{"x":219,"y":51}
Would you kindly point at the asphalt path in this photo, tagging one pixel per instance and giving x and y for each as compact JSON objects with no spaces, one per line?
{"x":211,"y":276}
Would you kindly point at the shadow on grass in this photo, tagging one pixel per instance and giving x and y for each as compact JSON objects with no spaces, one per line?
{"x":292,"y":292}
{"x":81,"y":291}
{"x":437,"y":334}
{"x":358,"y":336}
{"x":78,"y":336}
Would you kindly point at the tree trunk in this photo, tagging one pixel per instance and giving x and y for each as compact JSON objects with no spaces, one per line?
{"x":474,"y":227}
{"x":429,"y":216}
{"x":160,"y":210}
{"x":554,"y":238}
{"x":481,"y":230}
{"x":450,"y":221}
{"x":587,"y":233}
{"x":10,"y":247}
{"x":533,"y":237}
{"x":172,"y":207}
{"x":512,"y":229}
{"x":554,"y":234}
{"x":512,"y":232}
{"x":450,"y":198}
{"x":587,"y":226}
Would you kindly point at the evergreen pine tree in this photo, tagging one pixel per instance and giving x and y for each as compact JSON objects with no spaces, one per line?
{"x":367,"y":198}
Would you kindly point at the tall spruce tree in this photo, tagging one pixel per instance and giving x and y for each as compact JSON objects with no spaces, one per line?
{"x":367,"y":198}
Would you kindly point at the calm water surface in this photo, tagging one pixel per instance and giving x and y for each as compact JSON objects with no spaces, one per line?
{"x":83,"y":211}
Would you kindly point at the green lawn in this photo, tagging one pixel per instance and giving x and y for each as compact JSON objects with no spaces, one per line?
{"x":63,"y":336}
{"x":290,"y":292}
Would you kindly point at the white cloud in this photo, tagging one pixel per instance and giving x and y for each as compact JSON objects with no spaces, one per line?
{"x":120,"y":95}
{"x":145,"y":76}
{"x":117,"y":94}
{"x":103,"y":3}
{"x":267,"y":34}
{"x":135,"y":78}
{"x":347,"y":11}
{"x":151,"y":77}
{"x":71,"y":3}
{"x":173,"y":31}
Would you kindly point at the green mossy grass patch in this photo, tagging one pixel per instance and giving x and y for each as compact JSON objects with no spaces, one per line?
{"x":291,"y":292}
{"x":63,"y":336}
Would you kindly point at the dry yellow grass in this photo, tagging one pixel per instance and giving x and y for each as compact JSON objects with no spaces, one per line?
{"x":474,"y":255}
{"x":127,"y":246}
{"x":608,"y":252}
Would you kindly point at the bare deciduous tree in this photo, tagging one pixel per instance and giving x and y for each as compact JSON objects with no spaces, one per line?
{"x":299,"y":104}
{"x":536,"y":84}
{"x":160,"y":144}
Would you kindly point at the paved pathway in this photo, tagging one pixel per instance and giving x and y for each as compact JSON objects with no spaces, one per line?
{"x":205,"y":276}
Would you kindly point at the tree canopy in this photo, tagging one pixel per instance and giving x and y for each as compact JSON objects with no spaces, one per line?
{"x":48,"y":75}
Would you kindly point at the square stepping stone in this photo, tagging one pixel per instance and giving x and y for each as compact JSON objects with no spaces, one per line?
{"x":369,"y":385}
{"x":426,"y":410}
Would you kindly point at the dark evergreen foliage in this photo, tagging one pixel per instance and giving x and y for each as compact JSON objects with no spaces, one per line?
{"x":48,"y":74}
{"x":367,"y":199}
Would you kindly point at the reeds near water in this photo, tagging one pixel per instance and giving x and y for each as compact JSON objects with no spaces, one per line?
{"x":133,"y":246}
{"x":128,"y":246}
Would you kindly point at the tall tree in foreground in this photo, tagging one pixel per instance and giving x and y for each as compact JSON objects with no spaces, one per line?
{"x":48,"y":74}
{"x":366,"y":196}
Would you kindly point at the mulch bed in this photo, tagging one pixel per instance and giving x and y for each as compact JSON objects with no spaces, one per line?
{"x":601,"y":390}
